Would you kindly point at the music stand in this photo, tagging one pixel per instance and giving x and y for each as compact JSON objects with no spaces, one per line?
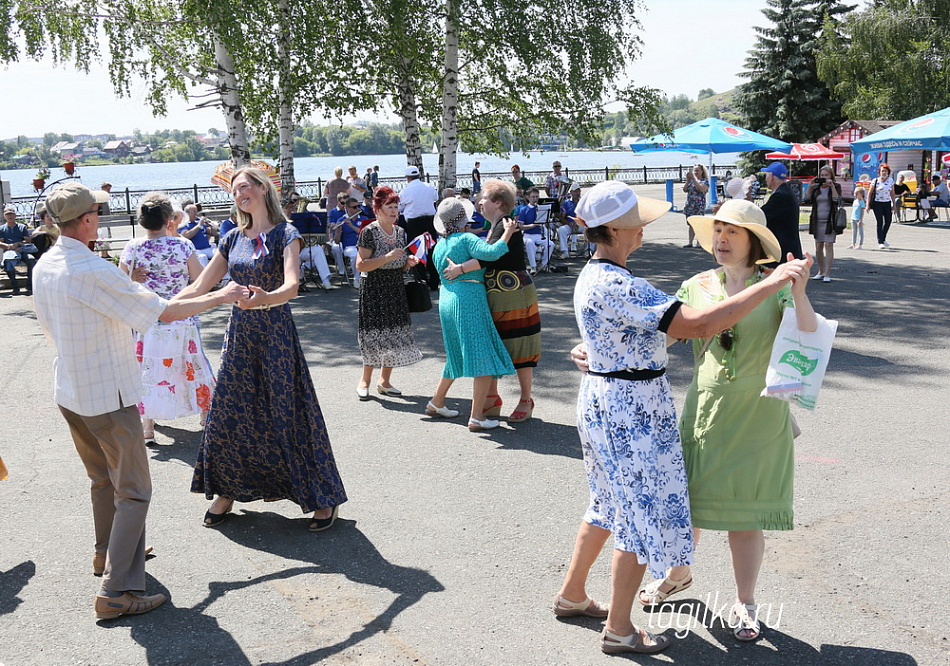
{"x":312,"y":225}
{"x":548,"y":218}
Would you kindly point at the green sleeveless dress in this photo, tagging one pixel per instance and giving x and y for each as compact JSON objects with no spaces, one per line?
{"x":737,"y":445}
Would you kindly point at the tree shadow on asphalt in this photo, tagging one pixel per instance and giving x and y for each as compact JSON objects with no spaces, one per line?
{"x":680,"y":619}
{"x":12,"y":583}
{"x":192,"y":635}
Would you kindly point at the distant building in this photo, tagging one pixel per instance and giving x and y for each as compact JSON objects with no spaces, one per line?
{"x":118,"y":147}
{"x":67,"y":147}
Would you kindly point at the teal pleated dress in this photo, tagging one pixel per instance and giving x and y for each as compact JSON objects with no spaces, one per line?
{"x":473,"y":347}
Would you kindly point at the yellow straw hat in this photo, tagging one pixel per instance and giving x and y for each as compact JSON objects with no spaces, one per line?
{"x":743,"y":214}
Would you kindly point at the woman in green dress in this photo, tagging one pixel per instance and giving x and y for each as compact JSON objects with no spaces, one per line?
{"x":737,"y":445}
{"x":473,"y":347}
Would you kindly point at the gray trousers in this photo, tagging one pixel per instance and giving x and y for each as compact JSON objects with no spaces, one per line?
{"x":112,"y":448}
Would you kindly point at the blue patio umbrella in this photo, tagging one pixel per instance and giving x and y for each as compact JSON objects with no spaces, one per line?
{"x":711,"y":135}
{"x":930,"y":132}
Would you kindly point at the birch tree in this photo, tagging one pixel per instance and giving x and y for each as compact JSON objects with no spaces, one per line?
{"x":485,"y":70}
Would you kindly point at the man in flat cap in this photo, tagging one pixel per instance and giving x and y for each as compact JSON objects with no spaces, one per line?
{"x":87,"y":308}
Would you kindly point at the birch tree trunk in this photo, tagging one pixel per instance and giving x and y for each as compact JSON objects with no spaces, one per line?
{"x":285,"y":125}
{"x":227,"y":87}
{"x":408,"y":113}
{"x":450,"y":99}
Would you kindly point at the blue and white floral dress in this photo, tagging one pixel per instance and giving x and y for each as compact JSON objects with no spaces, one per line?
{"x":631,"y":445}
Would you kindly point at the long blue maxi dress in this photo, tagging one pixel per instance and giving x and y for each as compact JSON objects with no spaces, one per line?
{"x":265,"y":437}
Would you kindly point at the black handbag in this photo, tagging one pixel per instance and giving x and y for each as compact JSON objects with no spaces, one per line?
{"x":417,"y":294}
{"x":841,"y":220}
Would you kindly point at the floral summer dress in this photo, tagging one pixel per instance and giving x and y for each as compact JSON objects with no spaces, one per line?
{"x":265,"y":438}
{"x":628,"y":433}
{"x":177,"y":379}
{"x":695,"y":200}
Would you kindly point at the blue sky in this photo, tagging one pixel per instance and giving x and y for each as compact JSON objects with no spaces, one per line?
{"x":688,"y":45}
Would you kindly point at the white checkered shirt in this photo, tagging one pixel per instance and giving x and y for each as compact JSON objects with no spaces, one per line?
{"x":87,"y":308}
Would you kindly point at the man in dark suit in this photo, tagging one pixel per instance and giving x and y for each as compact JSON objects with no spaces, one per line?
{"x":781,"y":210}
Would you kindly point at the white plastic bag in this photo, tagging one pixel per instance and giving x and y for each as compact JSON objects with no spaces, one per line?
{"x":798,"y":362}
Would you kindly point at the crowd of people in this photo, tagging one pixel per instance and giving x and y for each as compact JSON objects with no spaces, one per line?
{"x":654,"y":482}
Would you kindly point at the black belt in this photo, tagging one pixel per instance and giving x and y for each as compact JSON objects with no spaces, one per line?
{"x":631,"y":375}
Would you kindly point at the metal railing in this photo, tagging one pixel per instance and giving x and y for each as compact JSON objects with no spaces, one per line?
{"x":211,"y":196}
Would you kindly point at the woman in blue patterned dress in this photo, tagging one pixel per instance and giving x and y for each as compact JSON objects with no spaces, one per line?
{"x":265,"y":437}
{"x":625,"y":414}
{"x":696,"y":186}
{"x":473,"y":347}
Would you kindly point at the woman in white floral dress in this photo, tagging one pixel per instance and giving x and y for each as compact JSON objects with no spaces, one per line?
{"x":625,"y":413}
{"x":177,"y":379}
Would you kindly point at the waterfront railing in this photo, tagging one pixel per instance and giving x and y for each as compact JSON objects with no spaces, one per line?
{"x":213,"y":197}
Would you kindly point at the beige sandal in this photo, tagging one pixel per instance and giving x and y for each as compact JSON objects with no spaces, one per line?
{"x":611,"y":643}
{"x":654,"y":595}
{"x":588,"y":608}
{"x":743,"y":617}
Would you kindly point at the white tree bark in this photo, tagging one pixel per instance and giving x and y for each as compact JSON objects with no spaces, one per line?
{"x":227,"y":87}
{"x":408,"y":113}
{"x":285,"y":126}
{"x":450,"y":99}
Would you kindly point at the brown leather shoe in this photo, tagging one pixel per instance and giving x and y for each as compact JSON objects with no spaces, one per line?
{"x":99,"y":562}
{"x":130,"y":603}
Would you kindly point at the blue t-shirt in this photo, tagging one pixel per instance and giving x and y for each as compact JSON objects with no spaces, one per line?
{"x":348,"y":237}
{"x":334,"y":215}
{"x":528,"y":214}
{"x":226,"y":226}
{"x":200,"y":239}
{"x":569,"y":208}
{"x":856,"y":209}
{"x":15,"y":234}
{"x":368,"y":211}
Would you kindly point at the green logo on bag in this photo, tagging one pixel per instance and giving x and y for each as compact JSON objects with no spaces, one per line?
{"x":802,"y":363}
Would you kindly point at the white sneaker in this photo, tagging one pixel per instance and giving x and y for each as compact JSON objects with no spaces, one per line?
{"x":818,"y":277}
{"x":881,"y":246}
{"x":886,"y":244}
{"x":826,"y":279}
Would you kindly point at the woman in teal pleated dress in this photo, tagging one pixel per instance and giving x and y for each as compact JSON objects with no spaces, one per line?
{"x":473,"y":347}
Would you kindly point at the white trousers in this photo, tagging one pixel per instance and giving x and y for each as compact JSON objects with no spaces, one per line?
{"x":205,"y":255}
{"x":531,"y":245}
{"x":350,"y":253}
{"x":315,"y":257}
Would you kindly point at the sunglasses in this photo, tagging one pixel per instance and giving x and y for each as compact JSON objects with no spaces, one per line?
{"x":726,"y":339}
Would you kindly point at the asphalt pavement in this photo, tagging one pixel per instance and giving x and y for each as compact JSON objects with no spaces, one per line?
{"x":452,"y":544}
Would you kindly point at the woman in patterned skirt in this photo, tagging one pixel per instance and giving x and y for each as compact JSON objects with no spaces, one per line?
{"x":625,"y":414}
{"x":472,"y":345}
{"x":385,"y":329}
{"x":176,"y":375}
{"x":512,"y":298}
{"x":265,"y":437}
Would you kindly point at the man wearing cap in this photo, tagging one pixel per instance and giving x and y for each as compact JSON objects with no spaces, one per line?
{"x":781,"y":211}
{"x":568,"y":218}
{"x":417,"y":204}
{"x":15,"y":236}
{"x":87,"y":308}
{"x":554,"y":181}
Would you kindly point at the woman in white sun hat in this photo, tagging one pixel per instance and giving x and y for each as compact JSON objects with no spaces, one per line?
{"x":737,"y":444}
{"x":625,"y":414}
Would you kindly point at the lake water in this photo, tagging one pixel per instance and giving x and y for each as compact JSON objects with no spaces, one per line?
{"x":185,"y":174}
